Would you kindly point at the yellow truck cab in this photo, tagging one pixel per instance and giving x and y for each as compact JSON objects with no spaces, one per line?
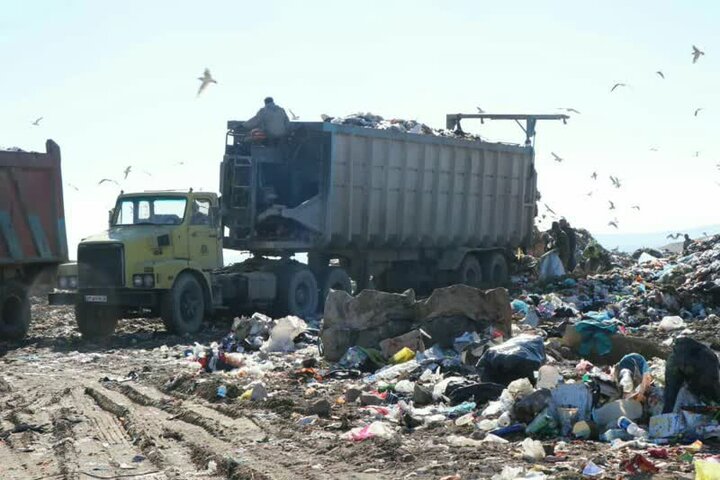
{"x":155,"y":258}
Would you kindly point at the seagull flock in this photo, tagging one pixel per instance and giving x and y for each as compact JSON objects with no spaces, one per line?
{"x":696,"y":54}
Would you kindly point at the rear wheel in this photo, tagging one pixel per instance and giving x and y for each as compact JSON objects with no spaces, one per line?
{"x":469,"y":272}
{"x":335,"y":278}
{"x":298,"y":292}
{"x":94,"y":321}
{"x":183,"y":308}
{"x":495,"y":268}
{"x":14,"y":311}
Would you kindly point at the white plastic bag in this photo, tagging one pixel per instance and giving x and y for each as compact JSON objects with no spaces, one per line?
{"x":550,"y":266}
{"x":533,"y":450}
{"x":669,"y":324}
{"x":283,"y":334}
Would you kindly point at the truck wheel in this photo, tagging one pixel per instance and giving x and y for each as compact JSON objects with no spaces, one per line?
{"x":298,"y":292}
{"x":495,"y":268}
{"x":14,"y":311}
{"x":335,"y":278}
{"x":95,"y":322}
{"x":469,"y":272}
{"x":183,"y":308}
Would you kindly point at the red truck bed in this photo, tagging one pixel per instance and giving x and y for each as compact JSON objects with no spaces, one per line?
{"x":32,"y":222}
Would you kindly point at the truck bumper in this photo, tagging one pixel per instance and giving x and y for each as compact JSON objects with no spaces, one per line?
{"x":62,"y":298}
{"x":123,"y":297}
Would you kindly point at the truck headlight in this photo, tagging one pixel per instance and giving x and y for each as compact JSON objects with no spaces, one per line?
{"x":63,"y":283}
{"x":73,"y":281}
{"x":137,"y":281}
{"x":149,"y":280}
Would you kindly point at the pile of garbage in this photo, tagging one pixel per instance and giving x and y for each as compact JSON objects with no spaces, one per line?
{"x":623,"y":357}
{"x":369,"y":120}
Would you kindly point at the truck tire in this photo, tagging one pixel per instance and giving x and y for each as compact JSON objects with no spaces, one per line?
{"x":95,"y":322}
{"x":335,"y":278}
{"x":183,"y":308}
{"x":495,"y":269}
{"x":14,"y":311}
{"x":298,"y":292}
{"x":469,"y":272}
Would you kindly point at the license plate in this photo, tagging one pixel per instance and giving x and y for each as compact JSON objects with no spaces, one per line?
{"x":96,"y":298}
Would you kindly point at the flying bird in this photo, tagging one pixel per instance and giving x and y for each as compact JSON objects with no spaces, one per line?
{"x":612,"y":205}
{"x":292,"y":114}
{"x":617,"y":85}
{"x":636,"y":207}
{"x":570,"y":110}
{"x":127,"y":171}
{"x":613,"y":224}
{"x":73,"y":187}
{"x":697,"y":110}
{"x":654,"y":149}
{"x":594,"y":176}
{"x":615,"y":181}
{"x":205,"y":80}
{"x":37,"y":122}
{"x":147,"y":173}
{"x":179,"y":163}
{"x":108,"y":180}
{"x":661,"y":74}
{"x":705,"y":234}
{"x":697,"y":153}
{"x":674,"y":236}
{"x":480,"y":110}
{"x":549,"y":209}
{"x":589,"y":194}
{"x":696,"y":53}
{"x":556,"y":157}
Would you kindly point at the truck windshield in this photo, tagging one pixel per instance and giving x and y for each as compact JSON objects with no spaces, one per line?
{"x":150,"y":211}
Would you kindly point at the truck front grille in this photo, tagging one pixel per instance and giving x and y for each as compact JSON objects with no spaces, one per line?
{"x":100,"y":265}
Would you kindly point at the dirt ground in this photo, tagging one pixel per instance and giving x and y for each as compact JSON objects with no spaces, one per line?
{"x":134,"y":408}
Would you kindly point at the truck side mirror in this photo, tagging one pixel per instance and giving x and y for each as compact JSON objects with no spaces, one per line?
{"x":111,"y":215}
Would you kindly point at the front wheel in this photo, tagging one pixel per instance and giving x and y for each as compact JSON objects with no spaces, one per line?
{"x":94,"y":321}
{"x":183,"y":308}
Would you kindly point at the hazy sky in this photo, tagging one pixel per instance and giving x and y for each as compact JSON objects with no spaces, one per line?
{"x":116,"y":83}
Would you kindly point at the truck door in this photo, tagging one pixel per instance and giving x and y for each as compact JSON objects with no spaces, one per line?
{"x":204,"y":234}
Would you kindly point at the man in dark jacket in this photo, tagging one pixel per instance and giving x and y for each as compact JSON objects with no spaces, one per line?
{"x":271,"y":119}
{"x":572,"y":243}
{"x":561,"y":243}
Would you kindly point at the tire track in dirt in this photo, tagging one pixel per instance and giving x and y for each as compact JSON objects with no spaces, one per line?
{"x":283,"y":445}
{"x":237,"y":455}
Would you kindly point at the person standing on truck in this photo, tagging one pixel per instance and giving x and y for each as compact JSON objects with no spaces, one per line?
{"x":561,"y":243}
{"x":572,"y":243}
{"x":271,"y":120}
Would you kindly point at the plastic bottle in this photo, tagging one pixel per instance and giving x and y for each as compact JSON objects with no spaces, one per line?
{"x":626,"y":381}
{"x":631,"y":427}
{"x":466,"y":419}
{"x":221,"y":391}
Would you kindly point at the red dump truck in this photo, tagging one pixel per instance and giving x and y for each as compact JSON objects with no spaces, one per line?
{"x":32,"y":230}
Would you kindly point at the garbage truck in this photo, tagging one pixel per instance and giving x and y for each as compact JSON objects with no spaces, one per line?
{"x":32,"y":231}
{"x":370,"y":208}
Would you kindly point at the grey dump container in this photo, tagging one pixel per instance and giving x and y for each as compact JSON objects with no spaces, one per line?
{"x":340,"y":187}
